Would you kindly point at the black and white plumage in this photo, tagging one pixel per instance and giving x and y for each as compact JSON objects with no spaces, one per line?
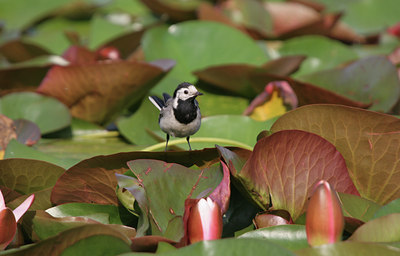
{"x":180,"y":114}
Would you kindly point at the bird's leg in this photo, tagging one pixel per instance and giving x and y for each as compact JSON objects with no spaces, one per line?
{"x":166,"y":144}
{"x":188,"y":138}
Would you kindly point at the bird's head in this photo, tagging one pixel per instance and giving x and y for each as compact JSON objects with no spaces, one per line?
{"x":186,"y":91}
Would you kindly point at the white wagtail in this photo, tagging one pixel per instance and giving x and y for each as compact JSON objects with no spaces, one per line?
{"x":180,"y":115}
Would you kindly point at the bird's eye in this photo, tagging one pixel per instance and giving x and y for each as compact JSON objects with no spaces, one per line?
{"x":185,"y":91}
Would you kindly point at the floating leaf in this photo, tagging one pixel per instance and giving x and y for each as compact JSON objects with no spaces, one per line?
{"x":167,"y":186}
{"x":358,"y":207}
{"x":196,"y":45}
{"x":328,"y":54}
{"x":392,"y":207}
{"x":382,"y":229}
{"x":369,"y":80}
{"x":288,"y":164}
{"x":292,"y":237}
{"x":96,"y":91}
{"x":368,"y":141}
{"x":349,"y":248}
{"x":48,"y":113}
{"x":95,"y":238}
{"x":93,"y":180}
{"x":27,"y":176}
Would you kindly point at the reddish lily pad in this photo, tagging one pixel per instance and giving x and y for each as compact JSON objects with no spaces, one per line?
{"x":96,"y":91}
{"x":288,"y":164}
{"x":93,"y":180}
{"x":368,"y":141}
{"x":176,"y":10}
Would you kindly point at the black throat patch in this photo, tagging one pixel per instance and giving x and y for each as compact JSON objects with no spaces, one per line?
{"x":186,"y":111}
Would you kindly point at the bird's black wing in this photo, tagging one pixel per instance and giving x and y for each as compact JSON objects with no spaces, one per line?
{"x":159,"y":103}
{"x":166,"y":96}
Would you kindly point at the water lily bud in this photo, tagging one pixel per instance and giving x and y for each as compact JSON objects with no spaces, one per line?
{"x":205,"y":221}
{"x":324,"y":220}
{"x":9,"y":219}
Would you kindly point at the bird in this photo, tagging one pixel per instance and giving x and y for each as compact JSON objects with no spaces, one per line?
{"x":180,"y":114}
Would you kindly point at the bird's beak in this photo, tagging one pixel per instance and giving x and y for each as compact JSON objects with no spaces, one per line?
{"x":198,"y":93}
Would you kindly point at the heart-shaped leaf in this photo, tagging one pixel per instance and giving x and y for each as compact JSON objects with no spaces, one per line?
{"x":48,"y":113}
{"x":368,"y":141}
{"x":288,"y":164}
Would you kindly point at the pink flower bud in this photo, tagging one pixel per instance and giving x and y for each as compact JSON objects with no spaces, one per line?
{"x":9,"y":219}
{"x":205,"y":221}
{"x":324,"y":220}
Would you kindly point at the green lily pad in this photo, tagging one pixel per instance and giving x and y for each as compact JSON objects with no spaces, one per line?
{"x":322,"y":53}
{"x":292,"y":237}
{"x":28,"y":176}
{"x":358,"y":207}
{"x":382,"y":229}
{"x":392,"y":207}
{"x":196,"y":45}
{"x":48,"y":113}
{"x":166,"y":186}
{"x":370,"y":80}
{"x":230,"y":246}
{"x":17,"y":150}
{"x":350,"y":248}
{"x":95,"y":239}
{"x":87,"y":210}
{"x":15,"y":14}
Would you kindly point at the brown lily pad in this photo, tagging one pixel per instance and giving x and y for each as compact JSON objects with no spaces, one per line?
{"x":97,"y":91}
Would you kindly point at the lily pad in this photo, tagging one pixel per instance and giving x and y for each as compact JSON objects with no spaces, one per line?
{"x":96,"y":91}
{"x":328,"y":54}
{"x":95,"y":239}
{"x":27,"y":176}
{"x":288,"y":164}
{"x":392,"y":207}
{"x":48,"y":113}
{"x":382,"y":229}
{"x":196,"y":45}
{"x":349,"y":248}
{"x":93,"y":180}
{"x":367,"y":140}
{"x":358,"y":207}
{"x":292,"y":237}
{"x":166,"y":187}
{"x":360,"y":82}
